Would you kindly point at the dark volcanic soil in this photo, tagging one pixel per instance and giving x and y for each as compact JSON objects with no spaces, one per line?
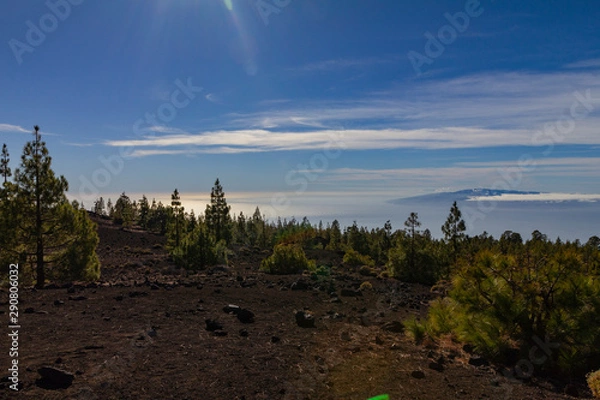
{"x":140,"y":333}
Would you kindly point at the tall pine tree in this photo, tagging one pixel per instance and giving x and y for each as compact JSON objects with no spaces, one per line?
{"x":5,"y":170}
{"x":454,"y":229}
{"x":50,"y":231}
{"x":177,"y":222}
{"x":218,"y":219}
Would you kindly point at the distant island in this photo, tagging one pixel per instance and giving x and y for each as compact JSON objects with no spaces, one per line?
{"x":461,"y":195}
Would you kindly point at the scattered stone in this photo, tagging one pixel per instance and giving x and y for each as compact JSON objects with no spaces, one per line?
{"x":468,"y":348}
{"x":243,"y":333}
{"x":478,"y":361}
{"x":54,"y":378}
{"x":305,"y":319}
{"x":393,"y":326}
{"x":154,"y":286}
{"x":77,"y":298}
{"x":365,"y":320}
{"x":29,"y":310}
{"x":436,"y":366}
{"x":379,"y":341}
{"x":417,"y":374}
{"x":335,"y":300}
{"x":275,"y":339}
{"x":59,"y":360}
{"x":231,"y":309}
{"x":351,"y":293}
{"x":58,"y":303}
{"x":152,"y":332}
{"x":213,"y":325}
{"x":248,"y":283}
{"x":346,"y":336}
{"x":245,"y":316}
{"x":220,"y":333}
{"x":300,"y":284}
{"x":119,"y":297}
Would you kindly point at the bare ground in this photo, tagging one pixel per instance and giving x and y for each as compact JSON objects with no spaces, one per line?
{"x":140,"y":333}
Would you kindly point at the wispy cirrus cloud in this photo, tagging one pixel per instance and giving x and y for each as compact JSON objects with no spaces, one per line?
{"x":13,"y":128}
{"x":481,"y":110}
{"x":343,"y":63}
{"x":593,"y":63}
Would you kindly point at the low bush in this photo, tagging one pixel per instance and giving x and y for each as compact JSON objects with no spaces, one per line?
{"x":593,"y":381}
{"x":415,"y":330}
{"x":354,"y":258}
{"x":287,"y":259}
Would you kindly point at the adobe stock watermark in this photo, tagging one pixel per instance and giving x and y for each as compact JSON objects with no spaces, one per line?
{"x":525,"y":367}
{"x":553,"y":133}
{"x":267,"y":7}
{"x":303,"y":174}
{"x":36,"y":33}
{"x":114,"y":164}
{"x":13,"y":326}
{"x":446,"y":35}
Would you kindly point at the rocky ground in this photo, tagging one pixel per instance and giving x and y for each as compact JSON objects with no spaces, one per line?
{"x":150,"y":331}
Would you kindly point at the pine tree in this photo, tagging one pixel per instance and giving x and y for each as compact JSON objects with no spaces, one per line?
{"x":335,"y":236}
{"x":176,"y":225}
{"x":144,"y":212}
{"x":99,"y":206}
{"x":240,"y":229}
{"x":454,"y":229}
{"x":217,"y":215}
{"x":110,"y":210}
{"x":5,"y":170}
{"x":50,"y":230}
{"x":411,"y":224}
{"x":123,"y":211}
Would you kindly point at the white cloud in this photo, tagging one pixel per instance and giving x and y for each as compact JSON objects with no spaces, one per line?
{"x":342,"y":63}
{"x":261,"y":140}
{"x":483,"y":110}
{"x":593,"y":63}
{"x":165,"y":129}
{"x":553,"y":197}
{"x":13,"y":128}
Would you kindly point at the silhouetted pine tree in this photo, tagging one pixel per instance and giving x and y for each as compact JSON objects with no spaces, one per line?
{"x":48,"y":230}
{"x":218,"y":219}
{"x":5,"y":170}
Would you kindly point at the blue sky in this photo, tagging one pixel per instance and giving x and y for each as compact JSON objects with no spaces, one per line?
{"x":303,"y":105}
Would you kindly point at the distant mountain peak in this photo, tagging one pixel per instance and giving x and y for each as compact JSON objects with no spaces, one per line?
{"x":460,"y":195}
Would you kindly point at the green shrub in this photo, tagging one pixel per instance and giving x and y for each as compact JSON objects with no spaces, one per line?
{"x":593,"y":381}
{"x":440,"y":319}
{"x":354,"y":258}
{"x":287,"y":259}
{"x":415,"y":330}
{"x":198,"y":250}
{"x":500,"y":302}
{"x":420,"y":267}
